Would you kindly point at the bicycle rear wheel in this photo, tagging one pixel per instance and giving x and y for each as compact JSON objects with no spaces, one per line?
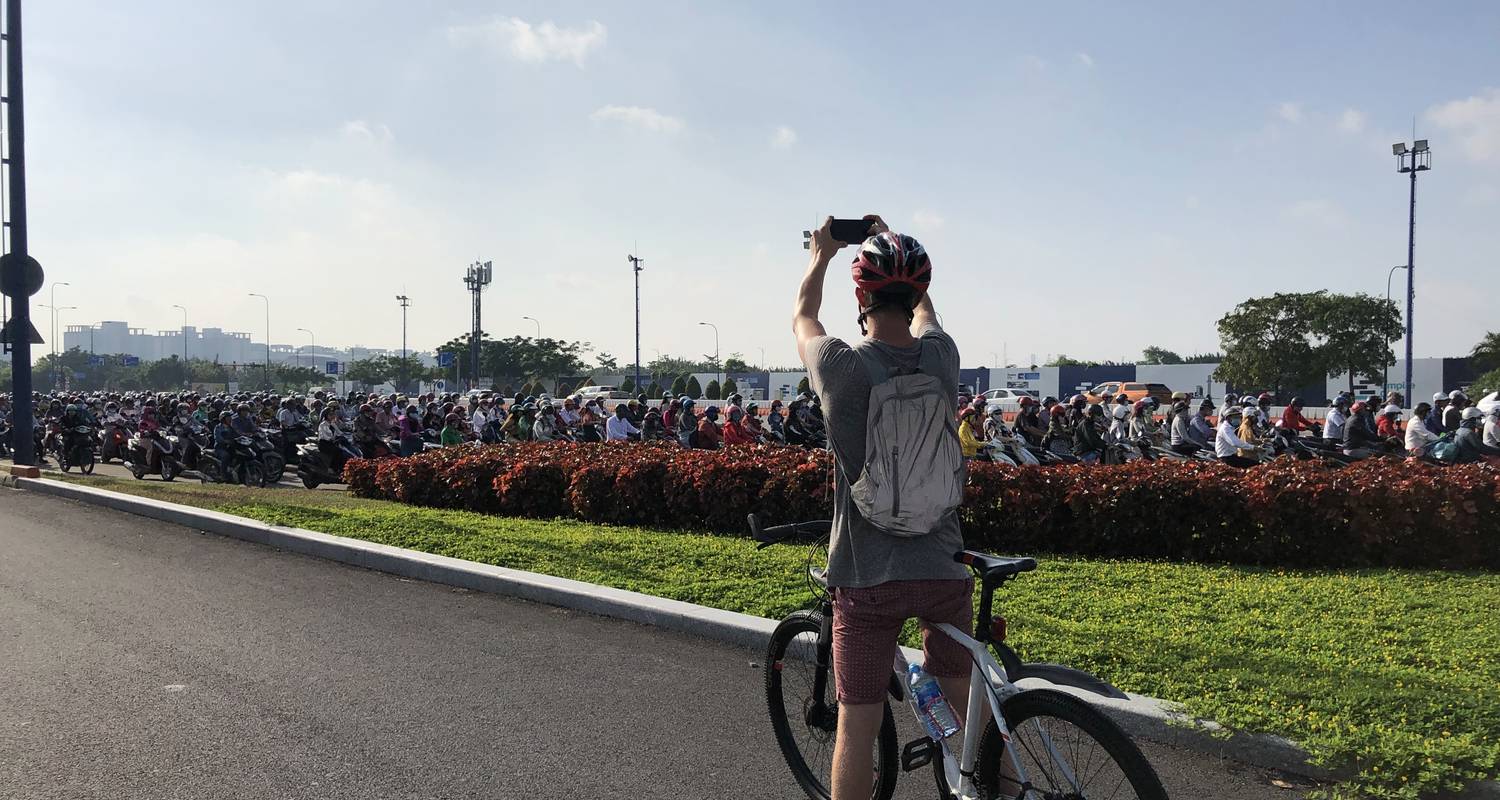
{"x":1066,"y":749}
{"x":805,"y":721}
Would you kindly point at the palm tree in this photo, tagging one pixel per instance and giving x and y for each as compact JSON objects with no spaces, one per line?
{"x":1486,"y":354}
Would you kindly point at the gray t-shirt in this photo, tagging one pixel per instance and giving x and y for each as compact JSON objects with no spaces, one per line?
{"x":860,"y":554}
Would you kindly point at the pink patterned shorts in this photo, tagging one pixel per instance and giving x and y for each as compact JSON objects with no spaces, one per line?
{"x":868,"y":620}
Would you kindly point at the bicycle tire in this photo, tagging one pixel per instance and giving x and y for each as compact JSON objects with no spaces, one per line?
{"x":1034,"y":704}
{"x":813,"y":781}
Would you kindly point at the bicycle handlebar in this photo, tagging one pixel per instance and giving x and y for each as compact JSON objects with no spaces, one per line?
{"x":781,"y":533}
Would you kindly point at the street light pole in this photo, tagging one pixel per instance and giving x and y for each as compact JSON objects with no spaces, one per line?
{"x":187,"y":374}
{"x":718,"y":366}
{"x":268,"y":335}
{"x":1417,"y":158}
{"x":538,"y":326}
{"x":314,"y":343}
{"x":53,"y":308}
{"x":1385,"y":383}
{"x":405,"y":303}
{"x":635,"y":268}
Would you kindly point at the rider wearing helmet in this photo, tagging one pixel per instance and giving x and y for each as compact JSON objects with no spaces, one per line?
{"x":1389,"y":424}
{"x":1029,"y":422}
{"x":1088,"y":445}
{"x":1470,"y":445}
{"x":707,"y":436}
{"x":1435,"y":416}
{"x":1336,"y":421}
{"x":1418,"y":437}
{"x":891,"y":275}
{"x":1059,"y":438}
{"x":1454,"y":414}
{"x":1292,"y":421}
{"x":1229,"y":446}
{"x":970,"y":431}
{"x":1361,"y":439}
{"x":1119,"y":426}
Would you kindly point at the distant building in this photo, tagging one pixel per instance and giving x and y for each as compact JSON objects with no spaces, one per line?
{"x":211,"y":344}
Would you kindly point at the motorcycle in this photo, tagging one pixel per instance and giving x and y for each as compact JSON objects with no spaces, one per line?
{"x":244,"y":465}
{"x":114,"y":440}
{"x":77,"y":449}
{"x":271,"y":458}
{"x":139,"y":452}
{"x":315,"y":467}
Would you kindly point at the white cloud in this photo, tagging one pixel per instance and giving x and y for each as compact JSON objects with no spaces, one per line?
{"x":1085,"y":59}
{"x":533,"y":44}
{"x":1321,"y":212}
{"x":1476,"y":121}
{"x":1034,"y":63}
{"x":926,"y":220}
{"x":1352,"y":121}
{"x":359,"y":130}
{"x":1290,"y":112}
{"x":646,"y":119}
{"x":783,"y":138}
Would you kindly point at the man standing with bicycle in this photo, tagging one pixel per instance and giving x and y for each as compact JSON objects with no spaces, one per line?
{"x":889,"y":401}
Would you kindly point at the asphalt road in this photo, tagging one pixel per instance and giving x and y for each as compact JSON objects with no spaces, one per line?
{"x":115,"y":469}
{"x":144,"y":660}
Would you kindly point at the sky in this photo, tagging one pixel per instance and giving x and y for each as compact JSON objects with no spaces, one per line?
{"x":1089,"y":178}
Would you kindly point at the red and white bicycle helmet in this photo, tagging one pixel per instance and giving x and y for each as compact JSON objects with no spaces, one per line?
{"x":891,"y":262}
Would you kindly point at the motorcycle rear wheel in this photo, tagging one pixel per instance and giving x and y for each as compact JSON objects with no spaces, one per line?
{"x":275,"y":467}
{"x":86,"y":461}
{"x":253,"y":475}
{"x":308,"y":480}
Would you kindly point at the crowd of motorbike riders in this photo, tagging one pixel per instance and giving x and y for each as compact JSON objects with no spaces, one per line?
{"x":252,"y":438}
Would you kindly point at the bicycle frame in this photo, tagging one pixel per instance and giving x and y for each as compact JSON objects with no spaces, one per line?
{"x":987,"y":682}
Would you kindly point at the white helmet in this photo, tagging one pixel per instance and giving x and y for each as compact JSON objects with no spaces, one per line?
{"x":1439,"y":397}
{"x":1472,"y":413}
{"x":1390,"y":409}
{"x":1121,"y":411}
{"x":1234,"y":411}
{"x":1457,"y":395}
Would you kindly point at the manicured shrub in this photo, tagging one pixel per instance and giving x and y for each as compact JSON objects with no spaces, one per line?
{"x":1286,"y":513}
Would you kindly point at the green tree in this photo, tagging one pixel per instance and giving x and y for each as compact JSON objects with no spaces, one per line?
{"x":6,"y":382}
{"x":1486,"y":383}
{"x":712,"y":392}
{"x":1269,"y":343}
{"x":607,"y":362}
{"x":1354,"y":333}
{"x":729,"y":387}
{"x":736,"y":363}
{"x":1064,"y":361}
{"x":694,"y":389}
{"x":563,"y":389}
{"x":627,"y":385}
{"x":653,"y":391}
{"x":803,"y":386}
{"x":527,"y":390}
{"x":672,"y":365}
{"x":1204,"y":358}
{"x":369,"y":372}
{"x":679,"y":386}
{"x":1159,"y":355}
{"x":1486,"y":354}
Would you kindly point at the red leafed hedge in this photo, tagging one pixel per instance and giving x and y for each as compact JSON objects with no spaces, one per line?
{"x":1288,"y":513}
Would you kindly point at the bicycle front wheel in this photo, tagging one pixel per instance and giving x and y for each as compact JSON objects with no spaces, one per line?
{"x":1065,"y":749}
{"x":806,"y":720}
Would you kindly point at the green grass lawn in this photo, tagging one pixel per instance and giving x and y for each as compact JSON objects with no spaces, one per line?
{"x":1394,"y":675}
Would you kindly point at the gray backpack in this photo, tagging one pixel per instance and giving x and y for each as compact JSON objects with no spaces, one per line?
{"x":913,"y":475}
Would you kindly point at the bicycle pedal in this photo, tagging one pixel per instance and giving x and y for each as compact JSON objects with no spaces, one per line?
{"x":918,"y":754}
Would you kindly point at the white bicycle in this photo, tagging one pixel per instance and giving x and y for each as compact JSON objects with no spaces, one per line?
{"x":1038,"y":744}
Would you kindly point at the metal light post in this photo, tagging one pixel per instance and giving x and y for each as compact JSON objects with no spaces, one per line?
{"x":538,"y":326}
{"x":1417,"y":158}
{"x":187,"y":374}
{"x":635,"y":268}
{"x":718,"y":365}
{"x":52,"y":366}
{"x":405,"y":303}
{"x":1385,"y":383}
{"x":20,"y":321}
{"x":53,"y":308}
{"x":268,"y":335}
{"x":313,"y":342}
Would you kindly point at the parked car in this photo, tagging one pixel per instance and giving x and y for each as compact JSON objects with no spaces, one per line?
{"x":1106,"y":392}
{"x":1007,"y":399}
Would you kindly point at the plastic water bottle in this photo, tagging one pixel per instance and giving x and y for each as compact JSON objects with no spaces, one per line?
{"x":933,"y":709}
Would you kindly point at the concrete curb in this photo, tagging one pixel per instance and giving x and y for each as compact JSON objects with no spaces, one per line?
{"x":1148,"y":717}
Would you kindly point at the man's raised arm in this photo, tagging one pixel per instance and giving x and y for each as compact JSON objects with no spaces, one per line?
{"x":805,"y":324}
{"x":923,"y":315}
